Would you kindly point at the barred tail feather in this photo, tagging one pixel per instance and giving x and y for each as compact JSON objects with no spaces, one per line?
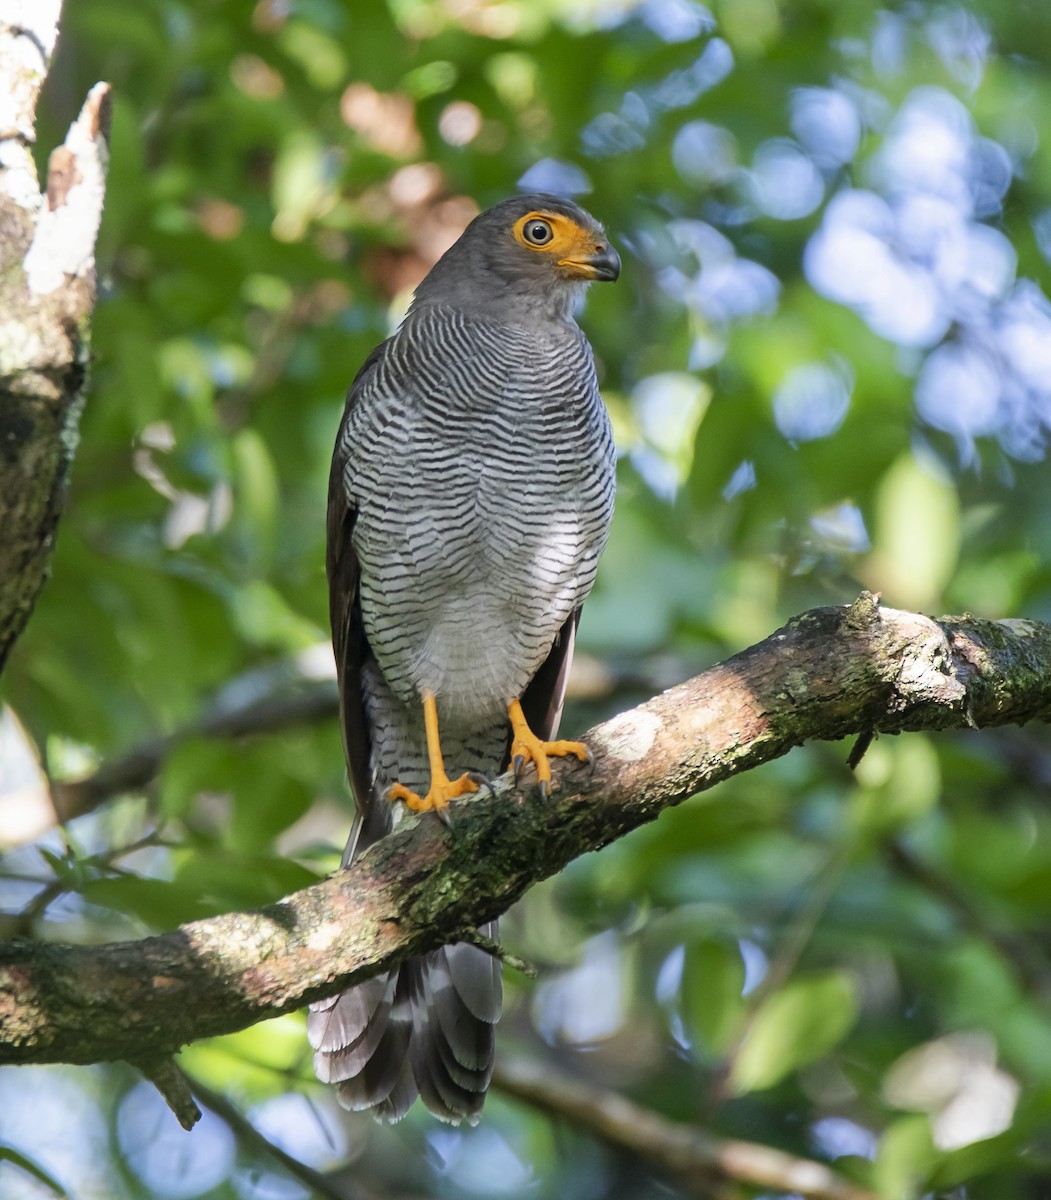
{"x":426,"y":1028}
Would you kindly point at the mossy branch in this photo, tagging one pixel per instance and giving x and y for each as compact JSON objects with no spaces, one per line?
{"x":829,"y":673}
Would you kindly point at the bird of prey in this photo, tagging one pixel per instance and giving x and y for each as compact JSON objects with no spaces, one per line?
{"x":470,"y":497}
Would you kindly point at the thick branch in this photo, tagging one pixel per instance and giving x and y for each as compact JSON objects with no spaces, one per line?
{"x":47,"y":293}
{"x":694,"y":1157}
{"x":827,"y":674}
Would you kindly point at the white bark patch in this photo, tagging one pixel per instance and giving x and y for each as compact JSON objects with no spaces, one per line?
{"x":25,"y":54}
{"x":21,"y":347}
{"x":324,"y":937}
{"x":630,"y":736}
{"x":64,"y":243}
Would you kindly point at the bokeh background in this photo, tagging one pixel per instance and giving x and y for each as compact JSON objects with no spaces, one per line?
{"x":828,"y":363}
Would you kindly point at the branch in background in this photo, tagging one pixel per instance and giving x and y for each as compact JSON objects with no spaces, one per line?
{"x":692,"y":1157}
{"x":250,"y":1138}
{"x":281,"y":697}
{"x":828,"y":673}
{"x":47,"y":293}
{"x":312,"y":700}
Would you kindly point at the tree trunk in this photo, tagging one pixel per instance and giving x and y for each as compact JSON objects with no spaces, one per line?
{"x":47,"y":293}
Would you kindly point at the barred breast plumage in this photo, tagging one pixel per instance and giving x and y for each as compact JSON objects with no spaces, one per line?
{"x":470,"y":500}
{"x":483,"y":482}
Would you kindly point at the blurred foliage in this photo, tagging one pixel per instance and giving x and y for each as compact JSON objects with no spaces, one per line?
{"x":828,"y":366}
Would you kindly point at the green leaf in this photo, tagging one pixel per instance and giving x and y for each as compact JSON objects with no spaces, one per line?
{"x":192,"y":766}
{"x":713,"y":980}
{"x":917,"y":540}
{"x":255,"y":1062}
{"x":265,"y":618}
{"x":797,"y":1024}
{"x":225,"y":881}
{"x":905,"y":1158}
{"x":900,"y":782}
{"x":158,"y":903}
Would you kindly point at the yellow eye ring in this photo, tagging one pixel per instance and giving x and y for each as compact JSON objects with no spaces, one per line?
{"x":537,"y":232}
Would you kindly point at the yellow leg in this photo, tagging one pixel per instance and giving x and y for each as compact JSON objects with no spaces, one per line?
{"x":442,"y":789}
{"x":527,"y":747}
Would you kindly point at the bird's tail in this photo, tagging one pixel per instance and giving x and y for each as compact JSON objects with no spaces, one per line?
{"x":425,"y":1028}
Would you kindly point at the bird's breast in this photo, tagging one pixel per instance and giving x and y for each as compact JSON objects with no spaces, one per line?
{"x":482,"y":507}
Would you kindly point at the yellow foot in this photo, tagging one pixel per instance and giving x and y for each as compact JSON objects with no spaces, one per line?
{"x":526,"y":747}
{"x":442,"y":790}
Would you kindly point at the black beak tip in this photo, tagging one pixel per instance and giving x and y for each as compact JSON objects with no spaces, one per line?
{"x":606,"y":265}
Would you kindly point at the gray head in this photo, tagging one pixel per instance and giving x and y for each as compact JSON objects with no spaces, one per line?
{"x":533,"y":253}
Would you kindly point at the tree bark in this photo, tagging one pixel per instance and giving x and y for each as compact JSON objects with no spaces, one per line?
{"x":828,"y":673}
{"x":47,"y":293}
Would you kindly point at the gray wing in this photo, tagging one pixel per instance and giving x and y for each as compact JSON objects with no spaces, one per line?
{"x":349,"y":643}
{"x":545,"y":695}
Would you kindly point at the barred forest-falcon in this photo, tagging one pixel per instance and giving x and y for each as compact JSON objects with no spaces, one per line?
{"x":470,"y":498}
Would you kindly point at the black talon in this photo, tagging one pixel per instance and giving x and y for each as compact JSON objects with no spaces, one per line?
{"x":545,"y":789}
{"x":445,"y":816}
{"x":519,"y":763}
{"x":482,"y":781}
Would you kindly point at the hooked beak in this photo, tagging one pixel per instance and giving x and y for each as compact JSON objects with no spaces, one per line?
{"x":603,"y":264}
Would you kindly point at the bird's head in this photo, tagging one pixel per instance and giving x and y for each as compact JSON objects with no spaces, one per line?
{"x":533,"y":251}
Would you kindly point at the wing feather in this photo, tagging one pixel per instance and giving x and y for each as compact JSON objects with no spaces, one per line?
{"x":545,"y":694}
{"x":349,"y":642}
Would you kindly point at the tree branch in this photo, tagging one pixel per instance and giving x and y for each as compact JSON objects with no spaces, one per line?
{"x":308,"y":700}
{"x":828,"y":673}
{"x":273,"y":698}
{"x":47,"y":293}
{"x":257,"y":1143}
{"x":167,"y":1077}
{"x":692,"y":1156}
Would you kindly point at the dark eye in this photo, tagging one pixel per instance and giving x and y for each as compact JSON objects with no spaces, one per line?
{"x":537,"y":232}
